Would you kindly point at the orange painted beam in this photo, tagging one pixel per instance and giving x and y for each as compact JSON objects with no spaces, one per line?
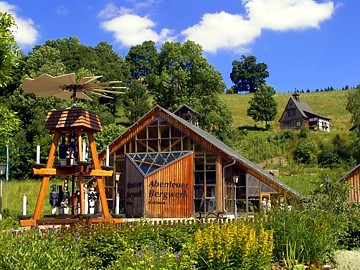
{"x":46,"y":178}
{"x":99,"y":180}
{"x":82,"y":194}
{"x":99,"y":173}
{"x":43,"y":171}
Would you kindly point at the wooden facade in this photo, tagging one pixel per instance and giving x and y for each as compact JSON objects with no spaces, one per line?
{"x":298,"y":113}
{"x":159,"y":189}
{"x":214,"y":168}
{"x":353,"y":179}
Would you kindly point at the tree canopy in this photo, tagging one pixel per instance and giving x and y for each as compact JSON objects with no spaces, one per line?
{"x":353,"y":106}
{"x":9,"y":53}
{"x":247,"y":75}
{"x":263,"y":106}
{"x":184,"y":76}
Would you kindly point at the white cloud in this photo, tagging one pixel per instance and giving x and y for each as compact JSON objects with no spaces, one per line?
{"x":24,"y":32}
{"x":222,"y":31}
{"x":288,"y":14}
{"x":130,"y":30}
{"x":228,"y":31}
{"x":110,"y":11}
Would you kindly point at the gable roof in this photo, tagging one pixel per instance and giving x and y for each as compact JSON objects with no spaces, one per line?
{"x":353,"y":170}
{"x":302,"y":106}
{"x":185,"y":109}
{"x":304,"y":109}
{"x":204,"y":138}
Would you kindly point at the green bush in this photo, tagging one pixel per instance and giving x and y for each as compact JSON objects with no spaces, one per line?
{"x":35,"y":249}
{"x":151,"y":258}
{"x":311,"y":231}
{"x":235,"y":245}
{"x":306,"y":152}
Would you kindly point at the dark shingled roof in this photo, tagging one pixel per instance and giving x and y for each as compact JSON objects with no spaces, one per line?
{"x":305,"y":109}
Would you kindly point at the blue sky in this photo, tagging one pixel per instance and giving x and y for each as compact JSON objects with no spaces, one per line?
{"x":306,"y":44}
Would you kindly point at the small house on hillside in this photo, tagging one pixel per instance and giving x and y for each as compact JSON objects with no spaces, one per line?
{"x":298,"y":113}
{"x":353,"y":179}
{"x":165,"y":166}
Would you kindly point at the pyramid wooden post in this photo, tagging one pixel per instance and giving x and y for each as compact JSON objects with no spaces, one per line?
{"x":67,"y":122}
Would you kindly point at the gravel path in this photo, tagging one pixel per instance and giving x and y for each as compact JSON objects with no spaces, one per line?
{"x":347,"y":260}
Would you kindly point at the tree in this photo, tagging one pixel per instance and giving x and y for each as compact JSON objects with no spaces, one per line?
{"x":135,"y":101}
{"x":10,"y":124}
{"x":184,"y":76}
{"x":44,"y":59}
{"x":247,"y":75}
{"x":142,"y":60}
{"x":263,"y":106}
{"x":353,"y":106}
{"x":9,"y":54}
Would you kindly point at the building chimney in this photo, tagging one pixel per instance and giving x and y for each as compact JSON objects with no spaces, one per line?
{"x":296,"y":96}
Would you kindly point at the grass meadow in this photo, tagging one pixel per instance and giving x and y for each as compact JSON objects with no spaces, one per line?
{"x":330,"y":104}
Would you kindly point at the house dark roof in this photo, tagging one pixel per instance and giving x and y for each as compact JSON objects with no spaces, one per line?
{"x":231,"y":153}
{"x":304,"y":108}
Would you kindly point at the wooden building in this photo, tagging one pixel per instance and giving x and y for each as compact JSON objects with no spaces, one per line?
{"x":165,"y":166}
{"x":353,"y":179}
{"x":158,"y":186}
{"x":298,"y":113}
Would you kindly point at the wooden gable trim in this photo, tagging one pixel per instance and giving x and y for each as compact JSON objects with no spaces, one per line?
{"x":282,"y":115}
{"x":130,"y":133}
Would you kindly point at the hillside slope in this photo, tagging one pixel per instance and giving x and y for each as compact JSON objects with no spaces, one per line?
{"x":329,"y":104}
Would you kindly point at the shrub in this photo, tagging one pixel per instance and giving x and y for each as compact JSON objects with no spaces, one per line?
{"x":38,"y":250}
{"x":151,"y":258}
{"x":328,"y":158}
{"x":232,"y":246}
{"x":306,"y":152}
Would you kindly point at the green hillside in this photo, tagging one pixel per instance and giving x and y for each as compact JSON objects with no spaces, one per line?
{"x":330,"y":104}
{"x":271,"y":150}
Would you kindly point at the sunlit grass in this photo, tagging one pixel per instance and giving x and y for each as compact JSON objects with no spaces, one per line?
{"x":330,"y":104}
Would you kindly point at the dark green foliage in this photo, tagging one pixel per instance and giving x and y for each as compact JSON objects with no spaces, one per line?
{"x":263,"y":106}
{"x":9,"y":53}
{"x":247,"y":75}
{"x":328,"y":158}
{"x":136,"y":101}
{"x":304,"y":132}
{"x":184,"y":76}
{"x":142,"y":60}
{"x":336,"y":153}
{"x":353,"y":106}
{"x":110,"y":132}
{"x":306,"y":152}
{"x":351,"y":239}
{"x":312,"y":230}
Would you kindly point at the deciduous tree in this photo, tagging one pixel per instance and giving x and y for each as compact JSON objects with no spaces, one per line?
{"x":353,"y":106}
{"x":184,"y":76}
{"x":142,"y":60}
{"x":135,"y":100}
{"x":247,"y":75}
{"x":263,"y":106}
{"x":9,"y":54}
